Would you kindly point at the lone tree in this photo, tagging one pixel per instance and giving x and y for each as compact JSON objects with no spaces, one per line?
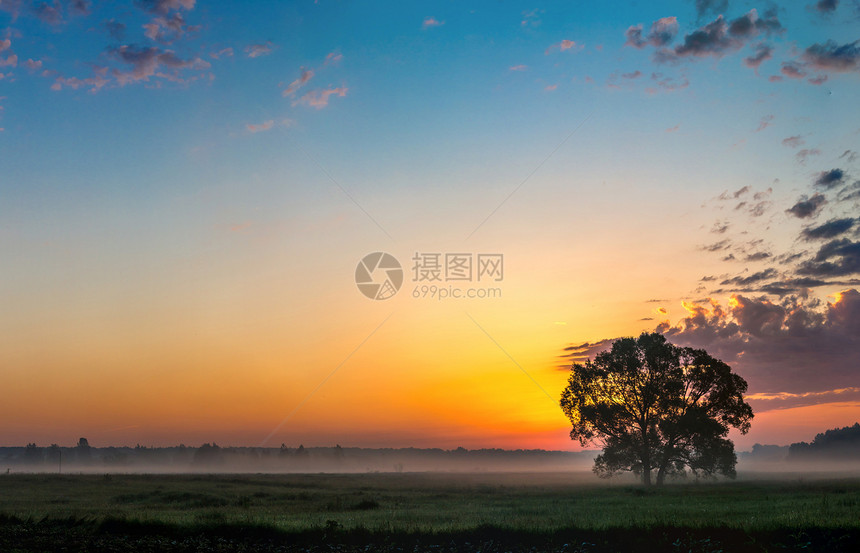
{"x":657,"y":406}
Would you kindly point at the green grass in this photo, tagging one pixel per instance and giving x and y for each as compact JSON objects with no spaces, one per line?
{"x":431,"y":502}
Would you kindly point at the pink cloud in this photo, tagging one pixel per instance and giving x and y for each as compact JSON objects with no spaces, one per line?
{"x":223,"y":53}
{"x":333,"y":58}
{"x":265,"y":126}
{"x":319,"y":98}
{"x":518,"y":67}
{"x":431,"y":22}
{"x":307,"y":75}
{"x":550,"y":87}
{"x":259,"y":50}
{"x":673,"y":129}
{"x":564,"y":45}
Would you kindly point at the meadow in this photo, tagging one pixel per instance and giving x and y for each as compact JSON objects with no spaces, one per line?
{"x":490,"y":511}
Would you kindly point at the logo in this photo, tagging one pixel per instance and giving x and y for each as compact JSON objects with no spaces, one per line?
{"x":378,"y":275}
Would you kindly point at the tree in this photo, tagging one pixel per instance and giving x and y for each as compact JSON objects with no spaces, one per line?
{"x":656,"y":406}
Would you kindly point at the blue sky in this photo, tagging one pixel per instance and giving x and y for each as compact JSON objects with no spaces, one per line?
{"x":195,"y":181}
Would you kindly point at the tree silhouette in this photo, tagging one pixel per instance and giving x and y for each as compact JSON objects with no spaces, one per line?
{"x":657,"y":406}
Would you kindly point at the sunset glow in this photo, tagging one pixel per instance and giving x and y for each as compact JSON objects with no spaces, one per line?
{"x":187,"y":189}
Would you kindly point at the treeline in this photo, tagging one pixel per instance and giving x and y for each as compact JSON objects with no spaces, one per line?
{"x":838,"y":445}
{"x":211,"y":457}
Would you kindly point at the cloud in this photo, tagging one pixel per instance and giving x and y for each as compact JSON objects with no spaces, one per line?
{"x":805,"y":153}
{"x":634,"y":75}
{"x":431,"y":22}
{"x":661,"y":33}
{"x":704,"y":7}
{"x":720,"y":37}
{"x":265,"y":126}
{"x":795,"y":345}
{"x":222,"y":53}
{"x":826,"y":6}
{"x":673,"y":129}
{"x":807,"y":207}
{"x":33,"y":65}
{"x":830,"y":56}
{"x":564,"y":45}
{"x":835,"y":258}
{"x":165,"y":6}
{"x":518,"y":68}
{"x":306,"y":75}
{"x":115,"y":29}
{"x":793,"y":141}
{"x":819,"y":80}
{"x":168,"y":28}
{"x":792,"y":70}
{"x":754,"y":278}
{"x":49,"y":13}
{"x":252,"y":128}
{"x":259,"y":50}
{"x":550,"y":87}
{"x":94,"y":83}
{"x":763,"y":52}
{"x":764,"y":123}
{"x":333,"y":58}
{"x":320,"y":98}
{"x":80,"y":7}
{"x":829,"y":179}
{"x":830,"y":229}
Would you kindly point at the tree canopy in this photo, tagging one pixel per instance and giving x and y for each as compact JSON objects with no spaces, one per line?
{"x":656,"y":406}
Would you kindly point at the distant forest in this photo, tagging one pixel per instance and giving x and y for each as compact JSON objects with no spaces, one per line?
{"x":839,"y":445}
{"x":213,"y":458}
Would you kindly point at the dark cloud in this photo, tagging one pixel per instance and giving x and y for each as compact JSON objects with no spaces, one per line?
{"x":81,"y":7}
{"x":766,"y":274}
{"x":830,"y":229}
{"x":149,"y":61}
{"x":836,"y":258}
{"x":792,"y":70}
{"x":661,"y":33}
{"x":758,"y":256}
{"x":633,"y":75}
{"x":807,"y":207}
{"x":829,"y":179}
{"x":717,"y":246}
{"x":793,"y":141}
{"x":164,"y":6}
{"x":805,"y":153}
{"x":763,"y":52}
{"x":830,"y":56}
{"x":705,"y":7}
{"x":794,"y":345}
{"x":50,"y":13}
{"x":849,"y":192}
{"x":826,"y":6}
{"x":849,"y":155}
{"x":720,"y":227}
{"x":720,"y":37}
{"x":750,"y":24}
{"x":115,"y":29}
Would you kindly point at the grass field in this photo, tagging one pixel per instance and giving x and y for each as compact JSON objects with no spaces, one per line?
{"x":809,"y":514}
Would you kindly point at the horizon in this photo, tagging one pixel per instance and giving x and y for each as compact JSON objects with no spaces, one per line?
{"x":195,"y":198}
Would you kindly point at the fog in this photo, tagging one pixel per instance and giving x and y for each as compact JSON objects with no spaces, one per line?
{"x":762,"y":462}
{"x":210,"y":458}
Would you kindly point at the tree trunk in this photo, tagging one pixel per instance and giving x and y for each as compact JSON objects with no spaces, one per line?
{"x":646,"y":477}
{"x":661,"y":475}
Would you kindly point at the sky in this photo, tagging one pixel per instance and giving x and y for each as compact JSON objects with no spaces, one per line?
{"x":188,"y":191}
